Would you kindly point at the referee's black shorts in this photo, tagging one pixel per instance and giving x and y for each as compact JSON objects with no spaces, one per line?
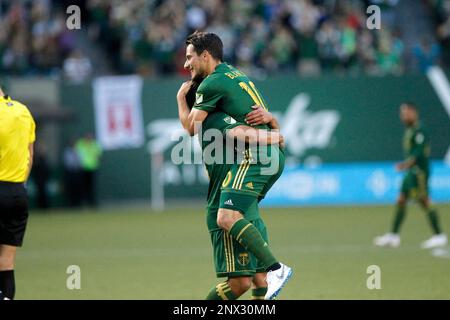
{"x":13,"y":213}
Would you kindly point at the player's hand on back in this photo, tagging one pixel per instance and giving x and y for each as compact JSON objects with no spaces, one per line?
{"x":258,"y":116}
{"x":184,"y":89}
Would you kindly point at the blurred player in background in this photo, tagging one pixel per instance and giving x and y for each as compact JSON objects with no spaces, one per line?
{"x":17,"y":136}
{"x":415,"y":182}
{"x":226,"y":89}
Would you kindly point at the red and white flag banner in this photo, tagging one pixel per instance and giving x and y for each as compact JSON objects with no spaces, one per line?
{"x":118,"y":112}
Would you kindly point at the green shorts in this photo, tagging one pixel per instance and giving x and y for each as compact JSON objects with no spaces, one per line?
{"x":251,"y":179}
{"x":415,"y":184}
{"x":231,"y":259}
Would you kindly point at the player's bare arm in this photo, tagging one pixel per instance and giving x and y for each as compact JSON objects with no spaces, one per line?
{"x":191,"y":119}
{"x":255,"y":136}
{"x":407,"y":164}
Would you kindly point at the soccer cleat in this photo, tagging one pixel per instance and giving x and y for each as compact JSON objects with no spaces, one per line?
{"x":276,"y":280}
{"x":2,"y":296}
{"x":438,"y":240}
{"x":387,"y":240}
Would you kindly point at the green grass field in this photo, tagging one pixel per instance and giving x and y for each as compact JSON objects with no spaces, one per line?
{"x":138,"y":254}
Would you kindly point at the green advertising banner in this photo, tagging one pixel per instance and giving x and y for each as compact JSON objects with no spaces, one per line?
{"x":329,"y":119}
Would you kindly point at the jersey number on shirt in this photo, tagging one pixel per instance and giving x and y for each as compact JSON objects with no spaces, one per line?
{"x":253,"y":93}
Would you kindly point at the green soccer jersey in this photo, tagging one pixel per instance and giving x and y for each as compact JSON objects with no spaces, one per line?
{"x":217,"y":170}
{"x":228,"y":94}
{"x":416,"y":145}
{"x":229,"y":90}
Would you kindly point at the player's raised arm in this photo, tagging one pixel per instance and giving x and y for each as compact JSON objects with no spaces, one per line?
{"x":191,"y":119}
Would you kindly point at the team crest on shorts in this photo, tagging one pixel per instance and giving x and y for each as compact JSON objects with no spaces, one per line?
{"x":243,"y":259}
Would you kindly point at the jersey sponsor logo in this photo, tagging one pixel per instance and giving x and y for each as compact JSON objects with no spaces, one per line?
{"x":243,"y":259}
{"x":198,"y":98}
{"x":229,"y":202}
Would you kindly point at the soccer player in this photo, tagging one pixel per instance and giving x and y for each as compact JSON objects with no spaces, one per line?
{"x":231,"y":259}
{"x":17,"y":136}
{"x":227,"y":89}
{"x":415,"y":182}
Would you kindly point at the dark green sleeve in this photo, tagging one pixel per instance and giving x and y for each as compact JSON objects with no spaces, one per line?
{"x":208,"y":96}
{"x":419,"y":140}
{"x":220,"y":121}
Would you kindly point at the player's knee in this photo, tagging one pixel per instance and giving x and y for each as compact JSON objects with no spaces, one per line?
{"x":246,"y":284}
{"x":222,"y":221}
{"x":225,"y":219}
{"x":259,"y":280}
{"x":401,"y":201}
{"x":240,"y":285}
{"x":424,"y":203}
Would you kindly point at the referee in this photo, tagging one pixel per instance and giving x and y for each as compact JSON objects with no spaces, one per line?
{"x":17,"y":135}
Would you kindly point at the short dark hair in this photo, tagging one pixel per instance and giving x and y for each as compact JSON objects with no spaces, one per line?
{"x":206,"y":41}
{"x":190,"y":96}
{"x":410,"y":105}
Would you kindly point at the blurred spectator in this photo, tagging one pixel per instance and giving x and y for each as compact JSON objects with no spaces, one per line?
{"x":33,"y":38}
{"x":72,"y":175}
{"x":442,"y":20}
{"x":427,"y":54}
{"x":271,"y":35}
{"x":77,"y":67}
{"x":147,"y":36}
{"x":41,"y":176}
{"x":89,"y":153}
{"x":328,"y":38}
{"x":390,"y":53}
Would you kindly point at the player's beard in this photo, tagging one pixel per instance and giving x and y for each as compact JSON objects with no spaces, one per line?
{"x":410,"y":122}
{"x":199,"y":75}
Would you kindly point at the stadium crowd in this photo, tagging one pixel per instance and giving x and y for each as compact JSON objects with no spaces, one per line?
{"x":441,"y":10}
{"x":147,"y":36}
{"x":34,"y":39}
{"x":267,"y":35}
